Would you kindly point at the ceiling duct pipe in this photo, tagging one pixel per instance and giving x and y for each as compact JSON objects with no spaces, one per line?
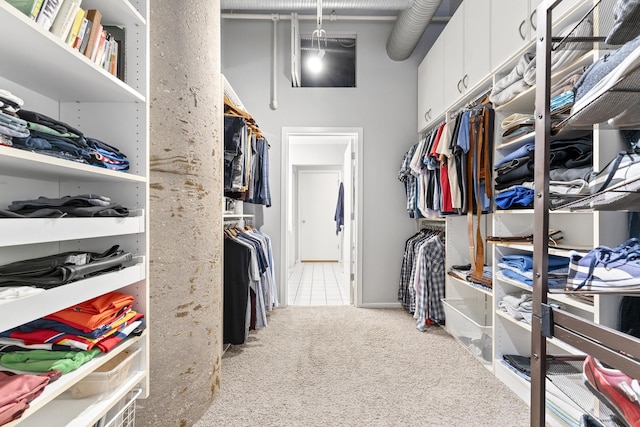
{"x":409,"y":27}
{"x":297,"y":5}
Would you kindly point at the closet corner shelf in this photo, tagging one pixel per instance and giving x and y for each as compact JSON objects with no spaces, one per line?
{"x":76,"y":77}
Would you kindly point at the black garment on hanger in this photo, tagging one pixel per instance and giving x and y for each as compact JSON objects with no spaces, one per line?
{"x":236,"y":291}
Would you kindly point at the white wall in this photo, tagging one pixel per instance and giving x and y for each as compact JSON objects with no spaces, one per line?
{"x":383,"y":104}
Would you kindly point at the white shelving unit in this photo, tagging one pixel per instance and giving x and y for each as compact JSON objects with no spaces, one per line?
{"x":582,"y":229}
{"x":59,"y":82}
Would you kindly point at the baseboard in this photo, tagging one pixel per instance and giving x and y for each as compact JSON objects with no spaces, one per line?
{"x":381,"y":305}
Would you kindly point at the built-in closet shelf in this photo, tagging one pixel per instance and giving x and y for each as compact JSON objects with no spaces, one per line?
{"x":56,"y":403}
{"x":116,"y":12}
{"x":22,"y":163}
{"x":511,"y":319}
{"x":24,"y":231}
{"x":525,"y":101}
{"x":61,"y":73}
{"x":525,"y":212}
{"x":521,"y":387}
{"x":513,"y":212}
{"x":607,"y":200}
{"x":552,"y":250}
{"x":516,"y":143}
{"x":562,"y":298}
{"x":474,"y":286}
{"x":234,"y":216}
{"x":19,"y":311}
{"x":559,"y":345}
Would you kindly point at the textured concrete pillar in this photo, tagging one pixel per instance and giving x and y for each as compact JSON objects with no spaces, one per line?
{"x":186,"y":212}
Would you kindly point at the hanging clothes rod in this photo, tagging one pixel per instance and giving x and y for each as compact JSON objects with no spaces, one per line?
{"x":432,"y":224}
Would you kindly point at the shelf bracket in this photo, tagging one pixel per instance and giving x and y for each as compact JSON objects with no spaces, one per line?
{"x":547,"y":320}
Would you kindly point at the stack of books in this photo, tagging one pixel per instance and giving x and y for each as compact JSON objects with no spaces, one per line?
{"x":81,"y":29}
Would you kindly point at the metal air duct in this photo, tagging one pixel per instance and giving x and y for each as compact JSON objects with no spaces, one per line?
{"x":298,"y":5}
{"x":409,"y":27}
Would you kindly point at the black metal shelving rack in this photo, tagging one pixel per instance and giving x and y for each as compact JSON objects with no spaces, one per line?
{"x":612,"y":347}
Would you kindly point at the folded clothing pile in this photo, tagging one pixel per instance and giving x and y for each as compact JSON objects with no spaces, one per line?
{"x":520,"y":268}
{"x":95,"y":325}
{"x":58,"y":269}
{"x":81,"y":205}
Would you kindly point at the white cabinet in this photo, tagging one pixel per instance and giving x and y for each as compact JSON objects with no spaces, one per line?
{"x":58,"y":81}
{"x":430,"y":87}
{"x":466,"y":47}
{"x":511,"y":28}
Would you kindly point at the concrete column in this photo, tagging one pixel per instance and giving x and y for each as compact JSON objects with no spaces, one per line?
{"x":186,"y":212}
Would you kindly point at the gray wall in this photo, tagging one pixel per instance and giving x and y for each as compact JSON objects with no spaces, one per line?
{"x":383,"y":104}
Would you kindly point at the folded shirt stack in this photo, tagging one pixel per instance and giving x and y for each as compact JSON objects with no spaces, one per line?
{"x":520,"y":307}
{"x":523,"y":75}
{"x":70,"y":337}
{"x":82,"y":205}
{"x":520,"y":268}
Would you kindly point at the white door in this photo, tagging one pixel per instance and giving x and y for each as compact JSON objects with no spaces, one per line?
{"x":317,"y":199}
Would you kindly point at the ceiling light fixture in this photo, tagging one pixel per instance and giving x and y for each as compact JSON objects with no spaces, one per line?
{"x":314,"y":63}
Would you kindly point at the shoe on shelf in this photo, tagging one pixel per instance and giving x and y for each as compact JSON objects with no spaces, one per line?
{"x":605,"y":269}
{"x":614,"y":389}
{"x":608,"y":86}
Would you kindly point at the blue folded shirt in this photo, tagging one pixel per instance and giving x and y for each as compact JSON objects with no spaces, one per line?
{"x":525,"y":262}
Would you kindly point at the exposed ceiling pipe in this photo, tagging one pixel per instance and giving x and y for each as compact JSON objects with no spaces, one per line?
{"x":274,"y":62}
{"x":297,"y":5}
{"x":409,"y":27}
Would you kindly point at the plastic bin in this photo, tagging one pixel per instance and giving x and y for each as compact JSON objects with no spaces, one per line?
{"x":106,"y":377}
{"x":470,"y":323}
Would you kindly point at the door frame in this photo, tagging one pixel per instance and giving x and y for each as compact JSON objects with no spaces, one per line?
{"x":356,"y":137}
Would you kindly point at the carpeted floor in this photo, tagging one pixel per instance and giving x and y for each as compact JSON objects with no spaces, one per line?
{"x":344,"y":366}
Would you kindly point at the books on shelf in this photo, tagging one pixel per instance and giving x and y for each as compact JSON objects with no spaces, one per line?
{"x":84,"y":40}
{"x":64,"y":19}
{"x":81,"y":29}
{"x":94,"y":16}
{"x":48,"y":13}
{"x":117,"y":58}
{"x":75,"y":27}
{"x":31,"y":8}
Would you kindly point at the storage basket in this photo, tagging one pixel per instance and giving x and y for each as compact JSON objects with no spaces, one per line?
{"x":123,"y":414}
{"x":106,"y":377}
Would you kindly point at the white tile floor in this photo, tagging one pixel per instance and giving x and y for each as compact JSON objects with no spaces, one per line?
{"x":318,"y":283}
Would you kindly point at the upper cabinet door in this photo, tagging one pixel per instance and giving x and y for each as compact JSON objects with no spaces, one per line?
{"x":452,"y":37}
{"x":430,"y":87}
{"x":510,"y":29}
{"x":477,"y":41}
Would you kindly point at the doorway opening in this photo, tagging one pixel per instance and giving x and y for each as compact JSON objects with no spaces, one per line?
{"x":320,"y":222}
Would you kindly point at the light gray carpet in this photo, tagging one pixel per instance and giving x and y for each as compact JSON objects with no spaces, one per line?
{"x":344,"y":366}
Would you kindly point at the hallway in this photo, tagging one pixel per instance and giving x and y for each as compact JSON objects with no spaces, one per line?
{"x":318,"y":283}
